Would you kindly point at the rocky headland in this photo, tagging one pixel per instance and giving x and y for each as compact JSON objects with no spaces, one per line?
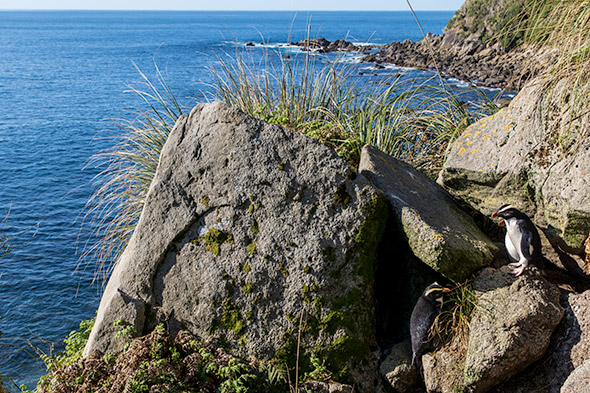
{"x":472,"y":48}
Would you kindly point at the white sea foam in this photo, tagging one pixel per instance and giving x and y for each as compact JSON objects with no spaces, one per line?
{"x":458,"y":82}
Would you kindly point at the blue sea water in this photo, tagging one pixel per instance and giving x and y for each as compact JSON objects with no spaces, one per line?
{"x":63,"y":74}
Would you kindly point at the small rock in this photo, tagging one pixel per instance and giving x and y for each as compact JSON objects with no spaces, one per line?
{"x":328,"y":387}
{"x":397,"y":370}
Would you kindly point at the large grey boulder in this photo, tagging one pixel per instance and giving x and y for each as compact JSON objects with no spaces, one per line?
{"x":525,"y":156}
{"x":438,"y":232}
{"x":511,"y":328}
{"x":252,"y":235}
{"x":569,"y":350}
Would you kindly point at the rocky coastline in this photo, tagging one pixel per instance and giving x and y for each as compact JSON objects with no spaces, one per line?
{"x":466,"y":59}
{"x":260,"y":240}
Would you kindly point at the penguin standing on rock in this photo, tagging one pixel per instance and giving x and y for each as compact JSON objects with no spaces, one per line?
{"x":425,"y":312}
{"x":522,"y":240}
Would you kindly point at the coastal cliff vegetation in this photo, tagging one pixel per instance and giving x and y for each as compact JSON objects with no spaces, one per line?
{"x":558,"y":28}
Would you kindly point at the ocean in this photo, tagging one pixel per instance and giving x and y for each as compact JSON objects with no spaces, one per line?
{"x":63,"y":76}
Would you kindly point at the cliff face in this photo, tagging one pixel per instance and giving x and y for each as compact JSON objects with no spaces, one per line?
{"x":486,"y":20}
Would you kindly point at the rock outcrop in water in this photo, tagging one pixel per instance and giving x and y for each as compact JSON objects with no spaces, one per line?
{"x":322,"y":45}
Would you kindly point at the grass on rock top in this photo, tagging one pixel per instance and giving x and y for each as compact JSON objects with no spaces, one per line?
{"x":408,"y":119}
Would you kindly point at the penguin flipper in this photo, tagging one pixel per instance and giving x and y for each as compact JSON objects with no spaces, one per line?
{"x":525,"y":245}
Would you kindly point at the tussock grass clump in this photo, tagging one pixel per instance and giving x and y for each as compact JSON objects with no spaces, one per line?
{"x":127,"y":172}
{"x":562,"y":29}
{"x":411,"y":119}
{"x":452,"y":324}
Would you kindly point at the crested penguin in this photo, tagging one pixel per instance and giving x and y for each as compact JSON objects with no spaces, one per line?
{"x":522,"y":240}
{"x":425,"y":312}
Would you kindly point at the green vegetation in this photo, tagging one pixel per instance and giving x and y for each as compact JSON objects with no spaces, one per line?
{"x":408,"y":119}
{"x":127,"y":172}
{"x":75,"y":343}
{"x":457,"y":310}
{"x":155,"y":363}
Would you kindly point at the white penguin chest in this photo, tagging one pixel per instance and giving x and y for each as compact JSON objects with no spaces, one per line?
{"x":513,"y":238}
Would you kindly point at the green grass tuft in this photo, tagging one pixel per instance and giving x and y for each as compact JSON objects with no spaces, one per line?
{"x":127,"y":171}
{"x":408,"y":119}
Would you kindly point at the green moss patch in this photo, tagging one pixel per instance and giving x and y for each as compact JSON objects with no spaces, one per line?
{"x":341,"y":197}
{"x":213,"y":240}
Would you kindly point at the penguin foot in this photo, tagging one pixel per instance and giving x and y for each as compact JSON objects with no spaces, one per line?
{"x":515,"y":264}
{"x":518,"y":272}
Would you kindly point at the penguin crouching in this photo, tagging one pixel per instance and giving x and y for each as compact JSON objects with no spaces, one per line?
{"x":522,"y":240}
{"x":424,"y":313}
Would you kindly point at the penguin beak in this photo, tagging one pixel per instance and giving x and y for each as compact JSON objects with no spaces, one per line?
{"x":446,"y":290}
{"x":496,"y":214}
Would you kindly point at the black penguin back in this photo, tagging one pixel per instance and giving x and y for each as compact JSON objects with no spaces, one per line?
{"x":423,"y":316}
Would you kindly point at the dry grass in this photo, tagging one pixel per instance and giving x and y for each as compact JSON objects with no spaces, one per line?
{"x":561,"y":28}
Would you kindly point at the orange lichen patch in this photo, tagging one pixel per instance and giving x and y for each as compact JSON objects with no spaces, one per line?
{"x":461,"y":151}
{"x":486,"y":137}
{"x":477,"y":133}
{"x":482,"y":125}
{"x":469,"y":143}
{"x":495,"y":130}
{"x":459,"y":143}
{"x":475,"y":151}
{"x":466,"y":134}
{"x":508,"y":127}
{"x":480,"y":170}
